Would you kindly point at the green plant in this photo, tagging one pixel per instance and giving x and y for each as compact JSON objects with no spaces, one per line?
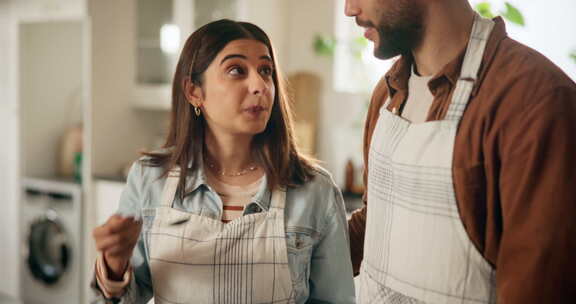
{"x":359,"y":44}
{"x":324,"y":45}
{"x":511,"y":13}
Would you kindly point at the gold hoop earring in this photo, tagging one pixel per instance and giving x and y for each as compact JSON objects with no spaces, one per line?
{"x":197,"y":111}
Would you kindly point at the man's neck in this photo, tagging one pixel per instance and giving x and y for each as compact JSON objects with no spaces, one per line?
{"x":447,"y":26}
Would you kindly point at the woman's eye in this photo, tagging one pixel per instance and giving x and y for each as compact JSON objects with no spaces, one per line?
{"x":266,"y":71}
{"x":236,"y":71}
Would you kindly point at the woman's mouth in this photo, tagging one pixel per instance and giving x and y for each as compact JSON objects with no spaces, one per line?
{"x":255,"y":109}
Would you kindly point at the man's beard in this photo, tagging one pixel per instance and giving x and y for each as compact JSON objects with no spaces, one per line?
{"x":399,"y":31}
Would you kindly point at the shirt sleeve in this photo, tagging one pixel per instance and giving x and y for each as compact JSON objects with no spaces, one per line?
{"x":139,"y":287}
{"x":110,"y":288}
{"x":331,"y":279}
{"x":536,"y":258}
{"x":357,"y":228}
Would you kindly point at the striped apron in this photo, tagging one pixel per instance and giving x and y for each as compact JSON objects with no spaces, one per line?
{"x":196,"y":259}
{"x":416,"y":248}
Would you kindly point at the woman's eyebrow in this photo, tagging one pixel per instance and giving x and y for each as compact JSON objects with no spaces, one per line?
{"x":263,"y":57}
{"x":233,"y":56}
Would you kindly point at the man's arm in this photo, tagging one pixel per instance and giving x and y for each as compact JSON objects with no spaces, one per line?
{"x":537,"y":253}
{"x":356,"y":228}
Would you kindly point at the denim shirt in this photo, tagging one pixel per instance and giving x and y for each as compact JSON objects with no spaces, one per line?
{"x":315,"y":225}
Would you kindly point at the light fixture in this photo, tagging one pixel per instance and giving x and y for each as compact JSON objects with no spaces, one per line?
{"x":169,"y":38}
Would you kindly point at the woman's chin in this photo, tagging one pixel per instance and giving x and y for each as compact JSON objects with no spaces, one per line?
{"x":252,"y":129}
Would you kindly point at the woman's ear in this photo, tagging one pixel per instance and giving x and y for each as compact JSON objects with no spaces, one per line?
{"x":192,"y":92}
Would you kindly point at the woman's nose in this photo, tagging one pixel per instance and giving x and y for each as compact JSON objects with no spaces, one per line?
{"x":258,"y":85}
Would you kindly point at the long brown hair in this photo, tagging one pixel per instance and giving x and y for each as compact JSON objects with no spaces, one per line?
{"x":274,"y":149}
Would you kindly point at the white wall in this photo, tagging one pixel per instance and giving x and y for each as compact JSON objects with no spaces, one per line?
{"x":50,"y":93}
{"x":48,"y":9}
{"x":550,"y":29}
{"x":118,"y":130}
{"x":8,"y":159}
{"x":339,"y":136}
{"x":272,"y":17}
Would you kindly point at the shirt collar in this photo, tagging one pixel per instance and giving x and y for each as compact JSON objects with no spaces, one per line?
{"x":397,"y":77}
{"x":198,"y":178}
{"x":263,"y":197}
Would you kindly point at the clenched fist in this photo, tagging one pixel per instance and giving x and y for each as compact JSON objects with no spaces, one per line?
{"x":116,"y":240}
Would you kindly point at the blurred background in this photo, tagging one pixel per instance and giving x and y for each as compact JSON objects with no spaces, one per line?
{"x":85,"y":86}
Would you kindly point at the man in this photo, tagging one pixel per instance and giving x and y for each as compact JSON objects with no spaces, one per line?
{"x":470,"y":157}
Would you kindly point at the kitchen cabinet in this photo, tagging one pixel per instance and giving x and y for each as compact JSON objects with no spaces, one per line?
{"x":107,"y":195}
{"x":162,"y":28}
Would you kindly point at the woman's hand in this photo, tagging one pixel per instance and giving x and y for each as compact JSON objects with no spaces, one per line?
{"x":116,"y":240}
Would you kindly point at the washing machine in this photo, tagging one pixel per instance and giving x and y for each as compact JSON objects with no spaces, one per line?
{"x":51,"y":218}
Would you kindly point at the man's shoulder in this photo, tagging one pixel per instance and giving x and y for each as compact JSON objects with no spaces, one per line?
{"x":518,"y":76}
{"x":517,"y":64}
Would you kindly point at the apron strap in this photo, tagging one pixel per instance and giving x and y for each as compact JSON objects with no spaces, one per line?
{"x":481,"y":30}
{"x":170,"y":187}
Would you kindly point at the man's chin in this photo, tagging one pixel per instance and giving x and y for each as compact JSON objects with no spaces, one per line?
{"x":385,"y":53}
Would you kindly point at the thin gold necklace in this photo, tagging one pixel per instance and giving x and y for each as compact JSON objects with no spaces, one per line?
{"x":235,"y":174}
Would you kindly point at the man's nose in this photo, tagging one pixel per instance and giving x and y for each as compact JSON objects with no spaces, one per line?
{"x":351,"y":8}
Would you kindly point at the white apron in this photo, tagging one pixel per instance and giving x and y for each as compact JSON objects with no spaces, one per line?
{"x":416,"y":248}
{"x":196,"y":259}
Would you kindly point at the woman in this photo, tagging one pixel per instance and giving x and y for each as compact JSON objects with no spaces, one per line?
{"x":230,"y":211}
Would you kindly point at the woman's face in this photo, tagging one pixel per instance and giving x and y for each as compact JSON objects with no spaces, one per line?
{"x":238,"y":91}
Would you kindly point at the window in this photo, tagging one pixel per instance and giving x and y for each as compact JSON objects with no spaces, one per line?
{"x":356,"y":70}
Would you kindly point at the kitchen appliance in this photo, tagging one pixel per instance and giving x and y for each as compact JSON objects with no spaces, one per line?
{"x":50,"y":224}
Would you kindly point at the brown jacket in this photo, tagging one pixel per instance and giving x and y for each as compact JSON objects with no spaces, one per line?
{"x":514,"y":166}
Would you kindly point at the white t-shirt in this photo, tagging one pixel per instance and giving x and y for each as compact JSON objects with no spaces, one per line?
{"x":419,"y":98}
{"x":234,"y":198}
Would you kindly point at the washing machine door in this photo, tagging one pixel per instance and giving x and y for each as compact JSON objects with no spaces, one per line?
{"x":48,"y":249}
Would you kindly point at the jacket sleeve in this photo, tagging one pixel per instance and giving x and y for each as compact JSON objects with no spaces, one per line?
{"x":536,"y":258}
{"x":331,"y":279}
{"x":139,"y":289}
